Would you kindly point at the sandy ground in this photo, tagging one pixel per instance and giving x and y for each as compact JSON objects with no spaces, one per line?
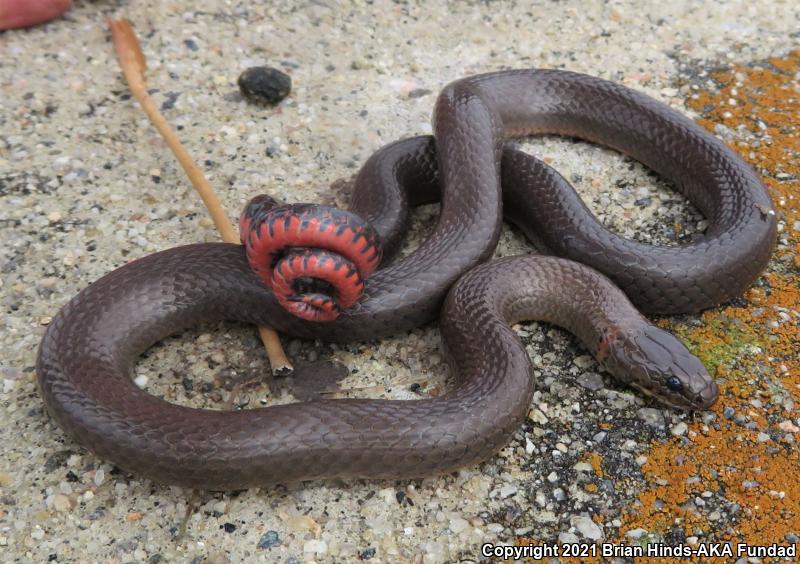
{"x":86,"y":185}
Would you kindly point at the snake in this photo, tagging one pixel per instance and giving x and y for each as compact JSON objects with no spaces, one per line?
{"x":591,"y":281}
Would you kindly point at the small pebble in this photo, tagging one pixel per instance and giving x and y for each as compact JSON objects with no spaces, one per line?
{"x":264,"y":85}
{"x":61,"y":503}
{"x":507,"y":491}
{"x":269,"y":539}
{"x":529,"y":446}
{"x":651,"y":417}
{"x":458,"y":524}
{"x":636,"y":533}
{"x":591,"y":381}
{"x":586,"y":527}
{"x":568,"y":538}
{"x":315,"y":546}
{"x":419,"y":93}
{"x":679,"y":429}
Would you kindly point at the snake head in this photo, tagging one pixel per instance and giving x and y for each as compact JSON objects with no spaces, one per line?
{"x":657,"y":363}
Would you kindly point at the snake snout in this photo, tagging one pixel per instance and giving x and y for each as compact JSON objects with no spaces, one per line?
{"x":707,"y":396}
{"x":314,"y":258}
{"x":659,"y":364}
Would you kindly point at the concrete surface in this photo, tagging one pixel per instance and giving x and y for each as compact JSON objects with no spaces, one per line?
{"x":86,"y":184}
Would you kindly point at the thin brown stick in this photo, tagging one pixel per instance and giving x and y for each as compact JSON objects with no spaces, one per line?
{"x":132,"y":62}
{"x":192,"y":505}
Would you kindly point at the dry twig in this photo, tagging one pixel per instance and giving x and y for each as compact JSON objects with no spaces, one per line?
{"x":133,"y":65}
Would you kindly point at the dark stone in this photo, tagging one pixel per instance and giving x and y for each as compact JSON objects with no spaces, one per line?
{"x":419,"y":93}
{"x":169,"y":100}
{"x":229,"y":527}
{"x":264,"y":85}
{"x":675,"y":537}
{"x":367,"y":554}
{"x":98,"y":513}
{"x":269,"y":539}
{"x":56,"y":460}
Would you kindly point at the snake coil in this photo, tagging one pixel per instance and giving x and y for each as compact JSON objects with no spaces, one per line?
{"x":314,"y":258}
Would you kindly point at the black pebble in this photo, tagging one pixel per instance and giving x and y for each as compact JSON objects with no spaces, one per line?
{"x":264,"y":85}
{"x":229,"y":527}
{"x":367,"y":554}
{"x":56,"y":460}
{"x":169,"y":100}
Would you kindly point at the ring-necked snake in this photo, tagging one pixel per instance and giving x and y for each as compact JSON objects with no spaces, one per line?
{"x":89,"y":349}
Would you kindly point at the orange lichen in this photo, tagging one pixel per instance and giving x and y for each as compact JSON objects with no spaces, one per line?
{"x":745,"y":462}
{"x":596,"y":461}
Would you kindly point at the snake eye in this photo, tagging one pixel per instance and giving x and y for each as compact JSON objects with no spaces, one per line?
{"x":674,"y":384}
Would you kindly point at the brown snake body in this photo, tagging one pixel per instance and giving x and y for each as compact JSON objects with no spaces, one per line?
{"x":88,"y":352}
